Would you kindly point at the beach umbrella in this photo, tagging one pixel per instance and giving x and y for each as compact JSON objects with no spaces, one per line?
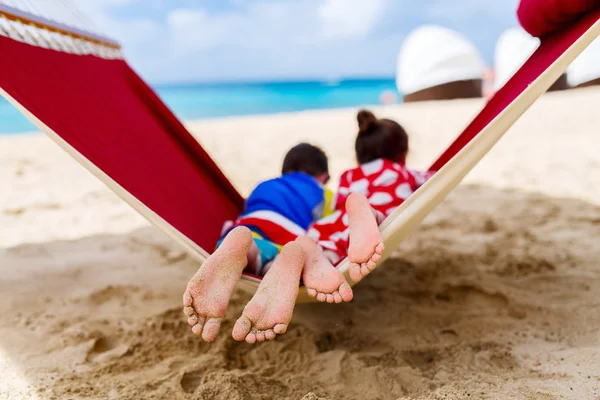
{"x":436,"y":63}
{"x":585,"y":70}
{"x":513,"y":48}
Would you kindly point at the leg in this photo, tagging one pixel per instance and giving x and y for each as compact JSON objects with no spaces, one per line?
{"x":321,"y":278}
{"x":208,"y":292}
{"x":366,"y":247}
{"x":270,"y":310}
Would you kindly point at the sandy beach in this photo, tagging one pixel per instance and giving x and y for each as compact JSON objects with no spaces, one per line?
{"x":494,"y":297}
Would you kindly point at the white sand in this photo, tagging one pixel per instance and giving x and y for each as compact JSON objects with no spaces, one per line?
{"x":495,"y":297}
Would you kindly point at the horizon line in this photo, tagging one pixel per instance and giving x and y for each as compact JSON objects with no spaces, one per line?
{"x":258,"y":81}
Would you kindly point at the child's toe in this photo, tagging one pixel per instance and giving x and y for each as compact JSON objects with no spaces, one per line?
{"x":280,"y":329}
{"x":270,"y":334}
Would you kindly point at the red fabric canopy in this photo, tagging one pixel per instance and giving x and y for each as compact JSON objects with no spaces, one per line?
{"x":106,"y":112}
{"x":542,"y":17}
{"x":551,"y":48}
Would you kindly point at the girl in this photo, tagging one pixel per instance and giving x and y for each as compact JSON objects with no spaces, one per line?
{"x":381,"y":148}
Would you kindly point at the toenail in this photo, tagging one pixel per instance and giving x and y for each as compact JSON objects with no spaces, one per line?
{"x":189,"y":311}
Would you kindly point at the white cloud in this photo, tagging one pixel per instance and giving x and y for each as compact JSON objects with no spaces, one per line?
{"x":193,"y":30}
{"x":190,"y":40}
{"x":97,"y":9}
{"x":339,"y":19}
{"x":129,"y":31}
{"x":453,"y":11}
{"x":254,"y":39}
{"x":255,"y":26}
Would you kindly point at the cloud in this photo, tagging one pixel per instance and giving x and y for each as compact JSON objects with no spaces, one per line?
{"x":195,"y":40}
{"x":251,"y":26}
{"x":193,"y":30}
{"x":102,"y":15}
{"x":466,"y":10}
{"x":341,"y":20}
{"x":98,"y":10}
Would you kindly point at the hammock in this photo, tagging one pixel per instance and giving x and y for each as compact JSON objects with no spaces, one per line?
{"x":74,"y":85}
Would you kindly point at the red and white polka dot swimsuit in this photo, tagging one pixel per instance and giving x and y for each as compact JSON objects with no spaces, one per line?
{"x":385,"y":184}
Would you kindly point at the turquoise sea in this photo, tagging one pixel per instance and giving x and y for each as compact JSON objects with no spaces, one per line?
{"x":206,"y":100}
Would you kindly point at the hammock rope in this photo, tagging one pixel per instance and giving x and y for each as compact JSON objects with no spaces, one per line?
{"x":57,"y":25}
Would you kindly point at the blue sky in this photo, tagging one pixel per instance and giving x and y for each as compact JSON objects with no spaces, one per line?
{"x":221,"y":40}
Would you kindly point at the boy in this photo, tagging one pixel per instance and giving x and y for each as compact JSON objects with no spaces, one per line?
{"x":269,"y":239}
{"x":279,"y":210}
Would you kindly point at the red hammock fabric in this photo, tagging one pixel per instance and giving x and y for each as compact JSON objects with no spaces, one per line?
{"x":542,"y":17}
{"x":551,"y":47}
{"x":106,"y":112}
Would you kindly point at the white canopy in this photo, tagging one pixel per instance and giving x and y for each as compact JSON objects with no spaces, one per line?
{"x":586,"y":67}
{"x":432,"y":55}
{"x":513,"y":48}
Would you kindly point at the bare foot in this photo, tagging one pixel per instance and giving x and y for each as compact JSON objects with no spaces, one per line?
{"x":321,"y":278}
{"x":270,"y":310}
{"x":366,"y":246}
{"x":208,"y":292}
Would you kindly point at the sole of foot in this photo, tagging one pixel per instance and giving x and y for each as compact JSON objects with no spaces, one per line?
{"x":207,"y":295}
{"x":322,"y":280}
{"x":366,"y":246}
{"x":269,"y":312}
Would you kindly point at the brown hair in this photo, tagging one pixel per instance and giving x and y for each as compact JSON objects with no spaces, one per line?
{"x":306,"y":158}
{"x":379,"y":138}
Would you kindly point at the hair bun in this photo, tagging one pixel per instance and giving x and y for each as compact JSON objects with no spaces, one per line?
{"x":366,"y":120}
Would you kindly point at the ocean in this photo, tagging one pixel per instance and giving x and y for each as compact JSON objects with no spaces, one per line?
{"x":200,"y":101}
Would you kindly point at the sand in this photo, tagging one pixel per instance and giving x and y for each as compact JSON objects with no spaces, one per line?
{"x":494,"y":297}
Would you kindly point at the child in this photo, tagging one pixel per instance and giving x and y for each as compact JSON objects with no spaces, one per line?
{"x":269,"y":238}
{"x":279,"y":210}
{"x":382,"y":177}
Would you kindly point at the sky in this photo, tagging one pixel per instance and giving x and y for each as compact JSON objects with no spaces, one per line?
{"x":245,"y":40}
